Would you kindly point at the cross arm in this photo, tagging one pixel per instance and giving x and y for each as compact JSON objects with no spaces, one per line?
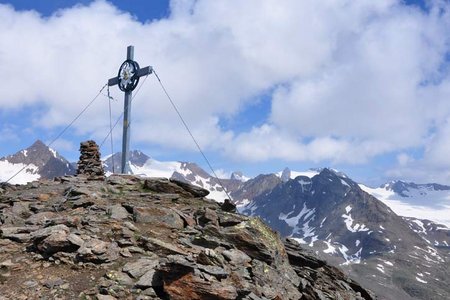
{"x":113,"y":81}
{"x":145,"y":71}
{"x":142,"y":72}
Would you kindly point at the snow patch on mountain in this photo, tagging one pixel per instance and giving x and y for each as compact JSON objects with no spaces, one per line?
{"x":354,"y":258}
{"x":9,"y":169}
{"x":293,"y":221}
{"x":55,"y":155}
{"x":380,"y":268}
{"x":154,"y":168}
{"x":330,"y":248}
{"x":349,"y":222}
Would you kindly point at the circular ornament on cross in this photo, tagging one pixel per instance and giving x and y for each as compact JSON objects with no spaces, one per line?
{"x":128,"y":75}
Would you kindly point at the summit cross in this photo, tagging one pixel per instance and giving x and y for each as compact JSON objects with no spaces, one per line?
{"x":127,"y":79}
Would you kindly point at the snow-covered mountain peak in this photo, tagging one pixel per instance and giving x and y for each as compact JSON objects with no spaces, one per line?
{"x":39,"y":161}
{"x":238,"y":175}
{"x":411,"y":189}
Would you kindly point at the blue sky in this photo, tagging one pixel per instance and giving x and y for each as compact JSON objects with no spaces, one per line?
{"x":361,"y":86}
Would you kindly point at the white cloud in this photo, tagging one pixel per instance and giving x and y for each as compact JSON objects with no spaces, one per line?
{"x":404,"y":159}
{"x":9,"y":134}
{"x":63,"y":145}
{"x":434,"y":166}
{"x":350,"y":79}
{"x":221,"y":173}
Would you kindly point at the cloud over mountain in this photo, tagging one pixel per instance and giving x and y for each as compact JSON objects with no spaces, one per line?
{"x":346,"y":81}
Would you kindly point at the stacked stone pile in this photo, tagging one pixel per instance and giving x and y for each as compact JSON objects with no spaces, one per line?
{"x":90,"y":163}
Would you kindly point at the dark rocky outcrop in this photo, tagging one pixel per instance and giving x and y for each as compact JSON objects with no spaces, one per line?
{"x":148,"y":238}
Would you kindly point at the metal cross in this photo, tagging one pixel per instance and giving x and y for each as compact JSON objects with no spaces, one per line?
{"x":127,"y":80}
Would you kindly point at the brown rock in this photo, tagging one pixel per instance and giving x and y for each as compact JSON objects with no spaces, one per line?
{"x":158,"y":216}
{"x":206,"y":216}
{"x":189,"y":286}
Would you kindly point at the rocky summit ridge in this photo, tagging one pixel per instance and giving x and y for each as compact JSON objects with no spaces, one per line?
{"x":128,"y":237}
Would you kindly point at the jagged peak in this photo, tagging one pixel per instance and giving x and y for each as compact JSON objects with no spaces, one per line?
{"x":38,"y":144}
{"x":238,"y":175}
{"x":286,"y":174}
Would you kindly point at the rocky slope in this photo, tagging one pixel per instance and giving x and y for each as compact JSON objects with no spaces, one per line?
{"x":130,"y":237}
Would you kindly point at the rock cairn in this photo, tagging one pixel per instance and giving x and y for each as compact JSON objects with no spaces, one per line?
{"x":90,"y":163}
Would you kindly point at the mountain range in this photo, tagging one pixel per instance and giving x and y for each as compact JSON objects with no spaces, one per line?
{"x":390,"y":238}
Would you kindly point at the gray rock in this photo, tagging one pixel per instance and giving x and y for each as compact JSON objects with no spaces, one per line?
{"x":173,"y":186}
{"x":56,"y":242}
{"x":125,"y":253}
{"x":216,"y":271}
{"x":162,"y":248}
{"x":54,"y":239}
{"x":76,"y":191}
{"x":237,"y":257}
{"x":17,"y":237}
{"x":75,"y":239}
{"x":83,"y":202}
{"x":105,"y":297}
{"x":228,"y":219}
{"x":130,"y":226}
{"x":207,"y":241}
{"x":98,"y":251}
{"x":40,"y":218}
{"x":210,"y":257}
{"x":194,"y":190}
{"x":140,"y":267}
{"x":149,"y":292}
{"x":207,"y":216}
{"x":150,"y":279}
{"x":52,"y":283}
{"x":120,"y":277}
{"x":117,"y":212}
{"x":21,"y":209}
{"x":45,"y":232}
{"x":158,"y":216}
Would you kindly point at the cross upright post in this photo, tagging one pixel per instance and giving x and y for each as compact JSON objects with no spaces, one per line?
{"x":127,"y":80}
